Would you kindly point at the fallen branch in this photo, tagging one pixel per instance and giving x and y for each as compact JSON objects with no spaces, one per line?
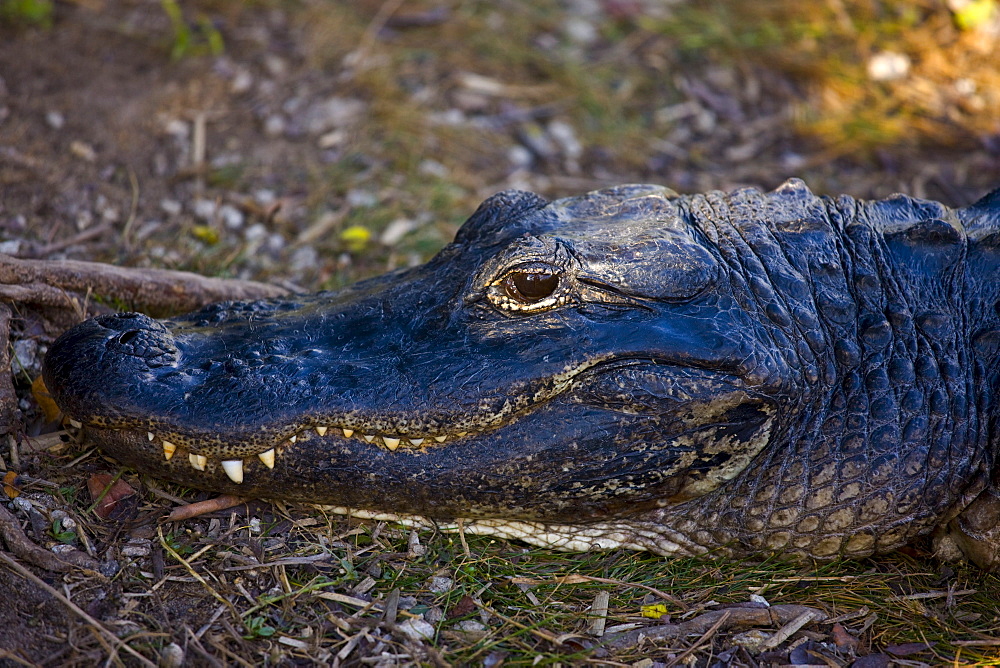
{"x":715,"y":621}
{"x":45,"y":282}
{"x":24,"y":548}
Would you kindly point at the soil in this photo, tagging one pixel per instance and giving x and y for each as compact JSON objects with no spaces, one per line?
{"x":267,"y":161}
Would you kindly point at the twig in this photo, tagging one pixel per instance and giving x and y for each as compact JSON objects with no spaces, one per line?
{"x":118,"y":643}
{"x":202,"y":507}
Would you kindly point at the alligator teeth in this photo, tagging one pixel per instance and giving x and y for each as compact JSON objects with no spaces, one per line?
{"x":75,"y":424}
{"x":368,"y":438}
{"x":168,"y":450}
{"x":198,"y":462}
{"x":150,"y":435}
{"x":321,"y":431}
{"x":292,"y":439}
{"x":391,"y":443}
{"x":462,"y":434}
{"x":268,"y":458}
{"x":416,"y":441}
{"x":233,"y":469}
{"x":440,"y":439}
{"x":348,"y":433}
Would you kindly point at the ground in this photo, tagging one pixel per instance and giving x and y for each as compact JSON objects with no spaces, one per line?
{"x":312,"y":143}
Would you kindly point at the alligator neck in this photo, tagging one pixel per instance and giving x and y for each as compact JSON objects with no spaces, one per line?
{"x":872,"y":310}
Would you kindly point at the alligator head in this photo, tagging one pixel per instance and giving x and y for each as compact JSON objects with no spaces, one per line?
{"x":651,"y":365}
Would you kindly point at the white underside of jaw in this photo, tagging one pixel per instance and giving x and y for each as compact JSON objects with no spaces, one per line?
{"x":564,"y":537}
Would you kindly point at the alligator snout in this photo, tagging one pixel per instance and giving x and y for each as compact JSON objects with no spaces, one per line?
{"x":122,"y":350}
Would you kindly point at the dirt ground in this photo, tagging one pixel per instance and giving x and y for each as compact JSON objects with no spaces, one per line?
{"x":313,"y":143}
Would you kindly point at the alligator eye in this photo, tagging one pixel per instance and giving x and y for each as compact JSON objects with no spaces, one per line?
{"x":528,"y":287}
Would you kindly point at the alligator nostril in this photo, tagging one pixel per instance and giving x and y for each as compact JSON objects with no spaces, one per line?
{"x":125,"y":337}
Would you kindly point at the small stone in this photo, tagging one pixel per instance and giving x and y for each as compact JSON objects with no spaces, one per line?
{"x":430,"y":167}
{"x":136,"y":547}
{"x":55,"y":120}
{"x":564,"y":135}
{"x":241,"y":83}
{"x":580,"y":30}
{"x":11,"y":247}
{"x":275,"y":242}
{"x":62,"y":548}
{"x":232,"y":217}
{"x":171,"y":656}
{"x":255,"y":232}
{"x":26,"y":357}
{"x":178,"y":128}
{"x":84,"y":219}
{"x":109,"y":568}
{"x":205,"y":209}
{"x":417,"y":629}
{"x":396,"y":230}
{"x":361,"y":198}
{"x":520,"y":157}
{"x":275,"y":125}
{"x":331,"y":139}
{"x":82,"y":150}
{"x":171,"y":207}
{"x":65,"y":521}
{"x":332,"y":113}
{"x":276,"y":66}
{"x":440,"y":585}
{"x":888,"y":66}
{"x":752,"y":640}
{"x":263,"y":196}
{"x":471,"y":626}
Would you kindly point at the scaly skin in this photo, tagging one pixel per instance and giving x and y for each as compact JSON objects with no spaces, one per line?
{"x":743,"y":372}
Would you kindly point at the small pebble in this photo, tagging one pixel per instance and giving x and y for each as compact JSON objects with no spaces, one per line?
{"x":888,"y":66}
{"x":471,"y":626}
{"x":171,"y":656}
{"x":274,"y":125}
{"x":205,"y":209}
{"x":171,"y":207}
{"x":241,"y":83}
{"x":177,"y":128}
{"x":26,"y":357}
{"x":520,"y":157}
{"x":417,"y":629}
{"x":255,"y":232}
{"x":232,"y":217}
{"x":361,"y":198}
{"x":55,"y":120}
{"x":564,"y":135}
{"x":396,"y":230}
{"x":440,"y":585}
{"x":580,"y":30}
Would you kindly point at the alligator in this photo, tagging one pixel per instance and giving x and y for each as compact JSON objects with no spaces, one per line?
{"x":746,"y":372}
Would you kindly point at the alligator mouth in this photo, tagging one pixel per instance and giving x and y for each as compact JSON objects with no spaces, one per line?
{"x":234,"y":454}
{"x":234,"y":467}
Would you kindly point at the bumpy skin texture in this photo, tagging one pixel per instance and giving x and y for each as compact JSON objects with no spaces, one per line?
{"x":746,"y":372}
